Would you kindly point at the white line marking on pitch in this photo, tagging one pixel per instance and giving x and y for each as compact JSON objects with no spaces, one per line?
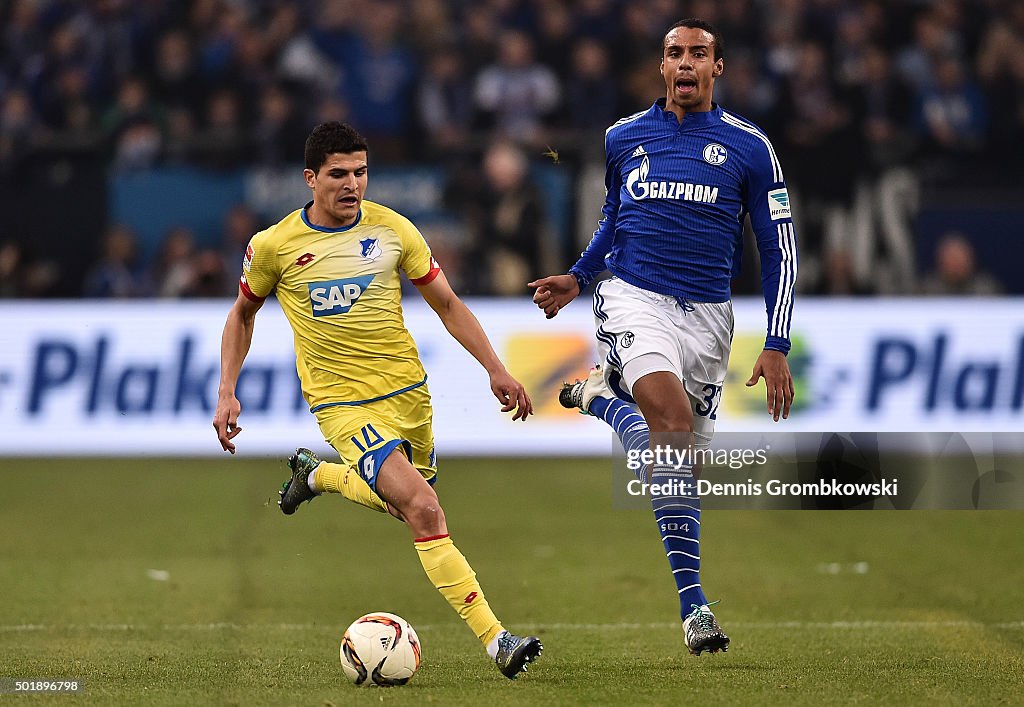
{"x":766,"y":625}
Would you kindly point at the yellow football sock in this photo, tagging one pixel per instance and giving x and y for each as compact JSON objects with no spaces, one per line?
{"x":338,"y":478}
{"x":449,"y":571}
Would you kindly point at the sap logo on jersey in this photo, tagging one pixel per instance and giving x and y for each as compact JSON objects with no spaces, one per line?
{"x":639,"y":188}
{"x":337,"y":296}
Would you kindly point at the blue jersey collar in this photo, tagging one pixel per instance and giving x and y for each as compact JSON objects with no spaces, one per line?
{"x":690,"y":120}
{"x":324,"y":229}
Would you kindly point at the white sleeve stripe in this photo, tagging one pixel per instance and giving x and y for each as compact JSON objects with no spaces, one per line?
{"x":787,"y":305}
{"x":783,"y":309}
{"x":782,"y":312}
{"x":739,"y":121}
{"x":735,"y":122}
{"x":786,"y":286}
{"x":773,"y":325}
{"x":747,"y":127}
{"x":623,"y":121}
{"x":778,"y":312}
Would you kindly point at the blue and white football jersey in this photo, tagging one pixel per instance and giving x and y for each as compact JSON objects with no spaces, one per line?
{"x":677,"y":197}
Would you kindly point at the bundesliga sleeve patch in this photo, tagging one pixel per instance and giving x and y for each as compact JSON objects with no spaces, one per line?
{"x":778,"y":204}
{"x":247,"y":260}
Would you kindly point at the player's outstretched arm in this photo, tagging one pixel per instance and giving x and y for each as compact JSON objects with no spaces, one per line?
{"x":774,"y":368}
{"x":234,"y":345}
{"x":555,"y":292}
{"x":466,"y":329}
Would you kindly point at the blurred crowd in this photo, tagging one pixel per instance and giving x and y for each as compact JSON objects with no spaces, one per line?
{"x":851,"y":92}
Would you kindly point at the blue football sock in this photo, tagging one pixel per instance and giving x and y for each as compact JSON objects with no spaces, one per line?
{"x":628,"y":424}
{"x":678,"y":518}
{"x":677,"y":514}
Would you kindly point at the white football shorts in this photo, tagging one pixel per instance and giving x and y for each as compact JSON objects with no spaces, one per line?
{"x":641,"y":332}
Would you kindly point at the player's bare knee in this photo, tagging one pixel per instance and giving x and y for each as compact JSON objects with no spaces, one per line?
{"x":664,"y":403}
{"x":665,"y":416}
{"x":423,"y":513}
{"x":669,"y":423}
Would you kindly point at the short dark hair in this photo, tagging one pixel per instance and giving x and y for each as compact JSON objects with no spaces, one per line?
{"x":330,"y":138}
{"x":695,"y":23}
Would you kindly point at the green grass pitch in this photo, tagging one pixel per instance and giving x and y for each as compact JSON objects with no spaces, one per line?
{"x":176,"y":582}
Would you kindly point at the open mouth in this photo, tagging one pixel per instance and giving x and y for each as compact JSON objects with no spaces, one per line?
{"x":348,"y":200}
{"x":686,"y":86}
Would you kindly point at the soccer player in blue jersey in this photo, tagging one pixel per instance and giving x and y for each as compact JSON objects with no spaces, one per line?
{"x":682,"y":177}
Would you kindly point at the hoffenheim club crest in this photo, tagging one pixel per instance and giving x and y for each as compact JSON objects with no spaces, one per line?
{"x":371,"y":251}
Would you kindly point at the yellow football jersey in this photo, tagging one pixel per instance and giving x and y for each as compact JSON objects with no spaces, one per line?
{"x":341,"y":292}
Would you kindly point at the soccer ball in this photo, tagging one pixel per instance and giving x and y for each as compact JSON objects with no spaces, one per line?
{"x":380,"y":649}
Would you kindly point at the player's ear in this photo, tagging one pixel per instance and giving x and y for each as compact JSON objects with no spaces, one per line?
{"x":310,"y":177}
{"x":719,"y":68}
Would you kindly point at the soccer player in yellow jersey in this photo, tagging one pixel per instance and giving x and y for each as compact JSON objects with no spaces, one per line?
{"x":334,"y":265}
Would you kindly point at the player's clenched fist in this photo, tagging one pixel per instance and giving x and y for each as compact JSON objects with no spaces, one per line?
{"x":555,"y":292}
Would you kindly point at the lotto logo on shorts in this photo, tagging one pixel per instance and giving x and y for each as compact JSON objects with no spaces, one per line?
{"x":337,"y":296}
